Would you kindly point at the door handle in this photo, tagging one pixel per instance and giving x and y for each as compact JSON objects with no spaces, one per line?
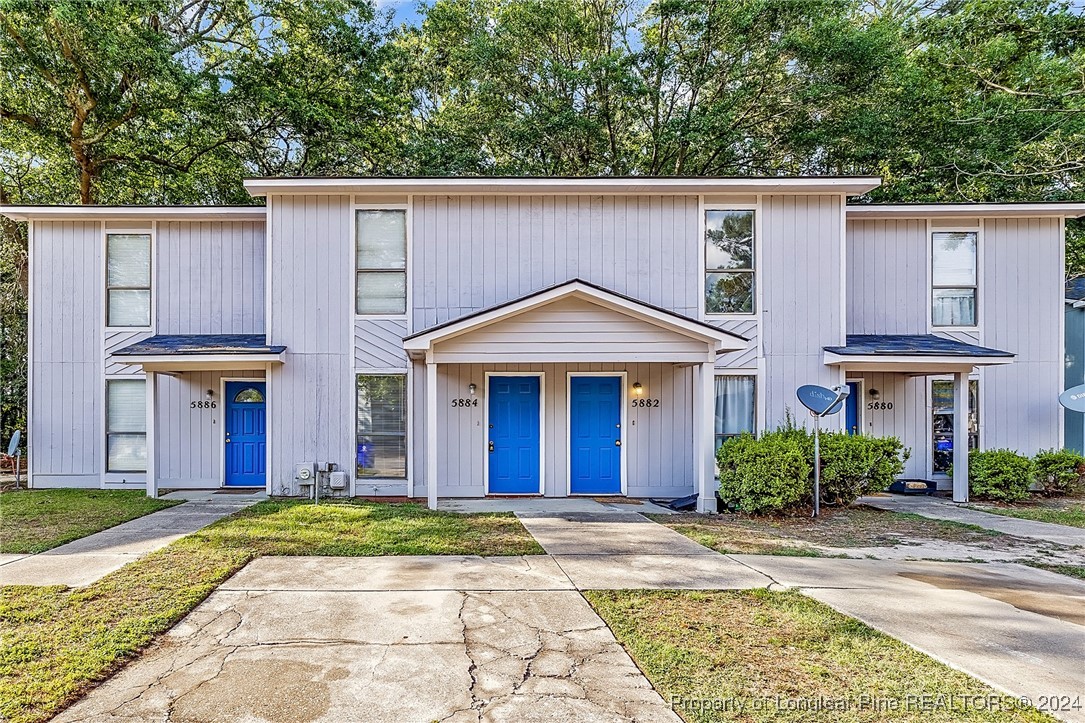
{"x":617,"y":443}
{"x":491,"y":446}
{"x":227,"y":440}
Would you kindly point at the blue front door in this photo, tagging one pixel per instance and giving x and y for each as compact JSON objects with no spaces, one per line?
{"x":514,"y":439}
{"x":595,"y":429}
{"x":246,"y":434}
{"x":851,"y":409}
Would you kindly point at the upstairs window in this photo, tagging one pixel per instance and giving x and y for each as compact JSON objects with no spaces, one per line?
{"x":128,"y":280}
{"x":381,"y":262}
{"x":953,"y":277}
{"x":729,"y":262}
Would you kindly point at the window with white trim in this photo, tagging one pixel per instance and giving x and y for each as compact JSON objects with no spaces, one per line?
{"x":382,"y":425}
{"x":942,"y":412}
{"x":126,"y":425}
{"x":953,"y":278}
{"x":128,"y":280}
{"x":381,"y":262}
{"x":729,"y":262}
{"x":735,"y":396}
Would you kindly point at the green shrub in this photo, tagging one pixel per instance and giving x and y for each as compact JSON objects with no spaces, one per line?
{"x":1059,"y":471}
{"x":856,"y":465}
{"x":999,"y":474}
{"x":768,"y":474}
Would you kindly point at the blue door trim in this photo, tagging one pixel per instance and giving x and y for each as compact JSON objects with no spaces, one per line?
{"x":596,"y":433}
{"x":244,"y":427}
{"x":514,"y":424}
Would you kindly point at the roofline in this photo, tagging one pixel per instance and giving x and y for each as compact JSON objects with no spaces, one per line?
{"x":520,"y":185}
{"x":1059,"y":209}
{"x":133,"y":213}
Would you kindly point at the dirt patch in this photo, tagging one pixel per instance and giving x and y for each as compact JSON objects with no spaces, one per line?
{"x":1062,"y":602}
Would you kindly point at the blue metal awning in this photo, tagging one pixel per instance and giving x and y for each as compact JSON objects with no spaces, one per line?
{"x":189,"y":344}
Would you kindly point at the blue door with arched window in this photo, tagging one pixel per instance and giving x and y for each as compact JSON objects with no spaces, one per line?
{"x":246,"y":434}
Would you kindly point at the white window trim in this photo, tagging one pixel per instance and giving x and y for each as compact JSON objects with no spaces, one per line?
{"x":485,"y":401}
{"x":622,"y":399}
{"x":152,"y":232}
{"x":979,"y":231}
{"x":407,"y":421}
{"x":758,"y":424}
{"x":703,"y":209}
{"x":408,"y":220}
{"x":109,"y":477}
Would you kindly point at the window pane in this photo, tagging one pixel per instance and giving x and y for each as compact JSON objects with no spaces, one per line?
{"x":382,"y":292}
{"x":126,"y":405}
{"x":728,"y":240}
{"x":942,"y":422}
{"x":729,"y":293}
{"x":954,"y":307}
{"x":382,"y":239}
{"x":734,"y":405}
{"x":128,"y":260}
{"x":129,"y":307}
{"x":954,"y":259}
{"x":249,"y":396}
{"x":382,"y":426}
{"x":126,"y":453}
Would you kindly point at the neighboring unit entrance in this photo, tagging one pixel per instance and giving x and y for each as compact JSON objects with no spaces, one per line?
{"x":514,"y":442}
{"x":851,"y":409}
{"x":246,"y":434}
{"x":595,"y":435}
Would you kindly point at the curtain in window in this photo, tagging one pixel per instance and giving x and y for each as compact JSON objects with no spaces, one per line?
{"x":126,"y":425}
{"x":382,"y":426}
{"x":734,"y":406}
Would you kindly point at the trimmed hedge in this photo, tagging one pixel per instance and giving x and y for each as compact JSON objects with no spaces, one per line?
{"x":854,"y":465}
{"x":1001,"y":475}
{"x":1059,"y":471}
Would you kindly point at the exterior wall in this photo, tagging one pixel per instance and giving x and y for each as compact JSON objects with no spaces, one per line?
{"x":66,"y":382}
{"x":909,"y":419}
{"x":888,"y":291}
{"x":658,"y":441}
{"x":310,"y":404}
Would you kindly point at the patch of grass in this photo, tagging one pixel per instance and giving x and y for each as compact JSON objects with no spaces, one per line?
{"x":1065,"y":511}
{"x":1077,"y":571}
{"x":58,"y":643}
{"x":743,"y":648}
{"x":34,"y":521}
{"x":858,"y":526}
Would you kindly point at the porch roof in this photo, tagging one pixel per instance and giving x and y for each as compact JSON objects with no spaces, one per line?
{"x":192,"y":352}
{"x":917,"y":353}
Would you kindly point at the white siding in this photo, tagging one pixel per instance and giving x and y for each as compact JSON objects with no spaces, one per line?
{"x":210,"y":277}
{"x":658,"y":441}
{"x":909,"y":420}
{"x":378,"y":344}
{"x":888,"y":289}
{"x":66,"y":373}
{"x":801,"y":263}
{"x":311,"y":396}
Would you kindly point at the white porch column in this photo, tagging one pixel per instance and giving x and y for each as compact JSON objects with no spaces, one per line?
{"x":152,"y":437}
{"x":431,"y":435}
{"x":960,"y":436}
{"x":703,"y":437}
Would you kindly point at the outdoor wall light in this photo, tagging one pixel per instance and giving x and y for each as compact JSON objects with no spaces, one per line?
{"x":638,"y":389}
{"x":210,"y":394}
{"x":472,"y":387}
{"x":874,"y":394}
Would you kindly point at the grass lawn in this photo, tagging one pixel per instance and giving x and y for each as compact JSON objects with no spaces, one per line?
{"x":1077,"y":571}
{"x":803,"y":536}
{"x":58,"y":643}
{"x":1059,"y":510}
{"x":38,"y":520}
{"x":744,"y":648}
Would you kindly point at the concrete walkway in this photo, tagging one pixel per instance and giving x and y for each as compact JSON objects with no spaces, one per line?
{"x":941,"y":509}
{"x":90,"y":558}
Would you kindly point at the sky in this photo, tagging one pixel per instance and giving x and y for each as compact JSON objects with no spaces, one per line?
{"x":406,"y":11}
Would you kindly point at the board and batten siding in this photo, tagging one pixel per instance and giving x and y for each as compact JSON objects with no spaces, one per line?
{"x":887,"y":288}
{"x":66,"y":380}
{"x":658,"y":441}
{"x":210,"y":277}
{"x":802,"y":308}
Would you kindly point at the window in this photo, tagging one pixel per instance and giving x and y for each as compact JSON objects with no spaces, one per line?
{"x":734,"y":406}
{"x":126,"y":425}
{"x":942,"y":422}
{"x":382,"y":425}
{"x":249,"y":396}
{"x":729,"y":262}
{"x":953,"y":276}
{"x":128,"y":279}
{"x":381,"y":263}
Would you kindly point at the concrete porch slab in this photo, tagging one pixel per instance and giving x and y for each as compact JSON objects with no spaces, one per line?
{"x":549,"y":505}
{"x":432,"y":572}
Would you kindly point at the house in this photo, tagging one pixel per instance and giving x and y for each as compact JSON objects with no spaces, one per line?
{"x":1074,"y":323}
{"x":462,"y":337}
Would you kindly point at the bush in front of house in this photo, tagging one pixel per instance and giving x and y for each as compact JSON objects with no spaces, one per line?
{"x":1059,"y":471}
{"x":766,"y":474}
{"x":854,"y":465}
{"x":1000,"y":475}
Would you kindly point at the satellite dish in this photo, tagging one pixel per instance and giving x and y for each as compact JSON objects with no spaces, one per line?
{"x":1074,"y":398}
{"x":821,"y":401}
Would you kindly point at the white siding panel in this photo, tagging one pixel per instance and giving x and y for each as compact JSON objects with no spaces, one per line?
{"x":887,"y":277}
{"x":114,"y":340}
{"x":378,"y":344}
{"x":66,"y":375}
{"x":210,"y":277}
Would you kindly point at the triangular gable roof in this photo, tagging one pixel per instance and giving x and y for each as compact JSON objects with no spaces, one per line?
{"x":719,"y":339}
